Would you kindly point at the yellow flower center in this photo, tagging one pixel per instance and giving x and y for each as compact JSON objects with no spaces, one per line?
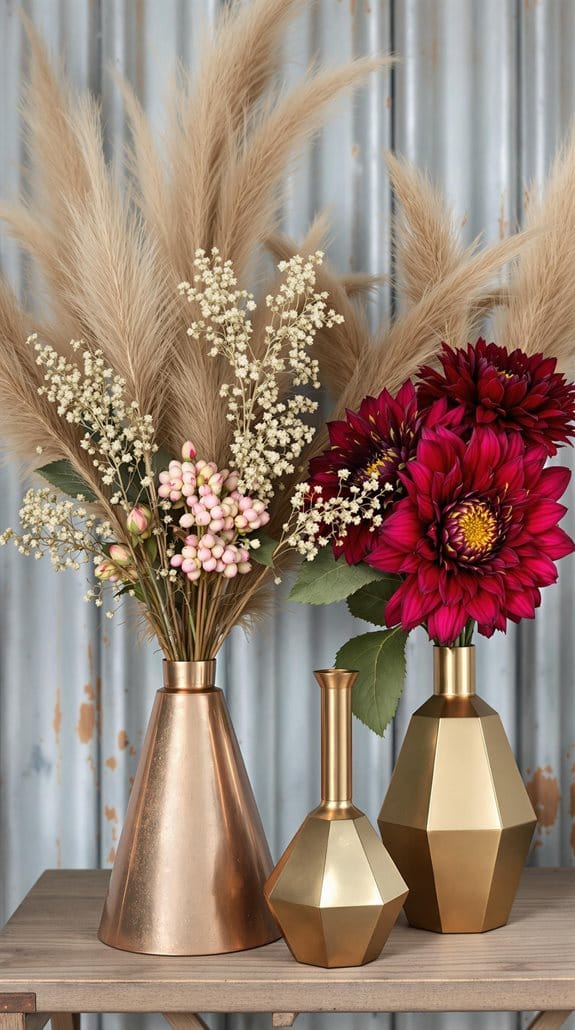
{"x":478,"y":526}
{"x":379,"y":465}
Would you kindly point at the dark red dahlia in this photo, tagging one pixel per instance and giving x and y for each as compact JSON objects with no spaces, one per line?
{"x":376,"y":441}
{"x":476,"y":535}
{"x":508,"y":391}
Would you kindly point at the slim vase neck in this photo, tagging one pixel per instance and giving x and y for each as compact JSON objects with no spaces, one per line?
{"x":336,"y":752}
{"x":454,"y":671}
{"x":189,"y":677}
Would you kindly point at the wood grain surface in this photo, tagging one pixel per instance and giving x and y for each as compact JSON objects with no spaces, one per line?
{"x":50,"y":947}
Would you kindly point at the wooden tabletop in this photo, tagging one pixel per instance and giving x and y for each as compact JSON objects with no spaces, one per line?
{"x":49,"y":947}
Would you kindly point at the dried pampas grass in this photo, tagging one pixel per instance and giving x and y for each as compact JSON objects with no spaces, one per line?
{"x":110,"y":260}
{"x":540,"y":312}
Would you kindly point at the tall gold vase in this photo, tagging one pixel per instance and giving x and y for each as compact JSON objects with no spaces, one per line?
{"x":335,"y":892}
{"x":456,"y":818}
{"x":192,"y":859}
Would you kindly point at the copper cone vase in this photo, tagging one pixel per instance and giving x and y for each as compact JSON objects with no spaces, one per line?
{"x":192,"y":859}
{"x":336,"y":892}
{"x":456,"y":818}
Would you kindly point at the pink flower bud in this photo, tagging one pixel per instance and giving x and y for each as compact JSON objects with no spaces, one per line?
{"x":251,"y":515}
{"x":188,"y":451}
{"x":220,"y":566}
{"x":211,"y":502}
{"x":120,"y":555}
{"x":209,"y":565}
{"x":164,"y":490}
{"x":230,"y":571}
{"x":204,"y":554}
{"x":241,"y":522}
{"x":243,"y":567}
{"x":216,"y":525}
{"x":175,"y":495}
{"x":202,"y":517}
{"x":194,"y":575}
{"x":229,"y":556}
{"x":192,"y":540}
{"x":217,"y":550}
{"x":187,"y":521}
{"x":244,"y":503}
{"x":189,"y":565}
{"x":176,"y":560}
{"x":139,"y":521}
{"x":107,"y":571}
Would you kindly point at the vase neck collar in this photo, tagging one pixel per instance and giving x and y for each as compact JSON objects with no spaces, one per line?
{"x":189,"y":677}
{"x":454,"y":671}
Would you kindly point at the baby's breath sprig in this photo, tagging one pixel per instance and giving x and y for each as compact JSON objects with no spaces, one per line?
{"x":270,"y":428}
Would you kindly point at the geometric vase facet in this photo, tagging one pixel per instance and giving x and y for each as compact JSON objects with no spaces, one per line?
{"x":192,"y":858}
{"x":335,"y":892}
{"x":456,"y":818}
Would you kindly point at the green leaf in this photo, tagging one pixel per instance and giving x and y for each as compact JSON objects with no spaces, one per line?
{"x":380,"y":661}
{"x":138,"y":592}
{"x":151,"y":548}
{"x":264,"y":554}
{"x":64,"y":477}
{"x":369,"y":602}
{"x":326,"y":580}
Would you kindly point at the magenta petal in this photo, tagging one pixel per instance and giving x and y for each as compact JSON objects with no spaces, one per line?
{"x":446,"y":623}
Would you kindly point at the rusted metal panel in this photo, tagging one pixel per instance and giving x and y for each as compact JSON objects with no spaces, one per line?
{"x":484,"y":91}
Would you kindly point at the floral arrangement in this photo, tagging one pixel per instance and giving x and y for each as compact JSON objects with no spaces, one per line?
{"x":177,"y":533}
{"x":178,"y":466}
{"x":466,"y":531}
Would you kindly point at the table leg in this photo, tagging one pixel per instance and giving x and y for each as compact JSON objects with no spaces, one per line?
{"x":549,"y":1021}
{"x":284,"y":1018}
{"x":183,"y":1021}
{"x":12,"y":1021}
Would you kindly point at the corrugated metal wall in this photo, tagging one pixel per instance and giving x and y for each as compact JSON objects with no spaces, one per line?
{"x":484,"y":93}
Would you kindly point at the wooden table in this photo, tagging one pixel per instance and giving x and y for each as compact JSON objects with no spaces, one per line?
{"x":53,"y":966}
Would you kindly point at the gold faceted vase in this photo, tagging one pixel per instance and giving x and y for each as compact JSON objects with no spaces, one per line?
{"x":336,"y":892}
{"x":192,"y":859}
{"x":457,"y":819}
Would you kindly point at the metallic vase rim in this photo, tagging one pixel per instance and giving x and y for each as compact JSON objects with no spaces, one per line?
{"x":190,"y":676}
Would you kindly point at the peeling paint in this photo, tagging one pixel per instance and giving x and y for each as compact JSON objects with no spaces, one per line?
{"x":86,"y":722}
{"x":543,"y":790}
{"x":111,"y":762}
{"x":57,"y":719}
{"x":123,"y":741}
{"x":111,"y":814}
{"x":503,"y":222}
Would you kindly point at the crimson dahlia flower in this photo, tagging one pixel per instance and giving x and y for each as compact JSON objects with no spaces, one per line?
{"x":376,"y":441}
{"x":506,"y":390}
{"x":476,"y":535}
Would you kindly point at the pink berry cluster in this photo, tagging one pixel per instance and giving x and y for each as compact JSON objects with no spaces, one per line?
{"x":211,"y":553}
{"x":216,"y":514}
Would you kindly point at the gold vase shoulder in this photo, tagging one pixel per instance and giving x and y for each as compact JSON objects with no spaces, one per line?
{"x":336,"y":892}
{"x":457,"y":818}
{"x":192,"y":859}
